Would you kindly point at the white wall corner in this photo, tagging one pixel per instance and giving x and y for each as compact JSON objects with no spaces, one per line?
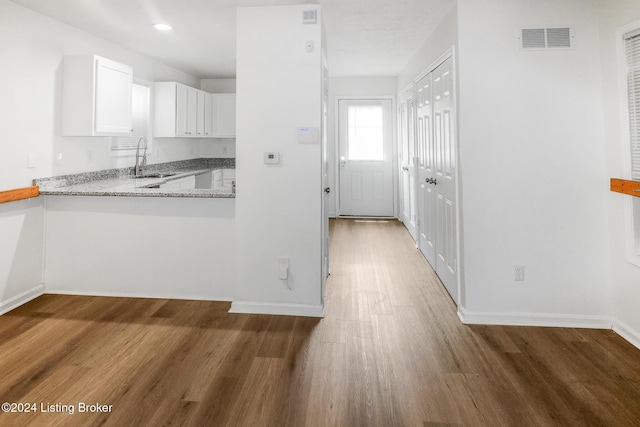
{"x":20,"y":299}
{"x":534,"y":319}
{"x":277,"y":309}
{"x":626,"y":332}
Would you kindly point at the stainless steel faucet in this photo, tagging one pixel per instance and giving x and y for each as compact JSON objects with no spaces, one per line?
{"x":139,"y":168}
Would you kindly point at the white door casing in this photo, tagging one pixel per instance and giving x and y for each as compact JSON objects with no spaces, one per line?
{"x":366,"y":157}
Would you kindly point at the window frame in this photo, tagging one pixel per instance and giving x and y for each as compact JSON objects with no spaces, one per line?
{"x":114,"y":142}
{"x":631,"y":204}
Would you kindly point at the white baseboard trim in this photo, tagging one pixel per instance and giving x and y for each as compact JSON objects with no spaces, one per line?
{"x":627,"y":333}
{"x":139,"y":295}
{"x":23,"y":298}
{"x":285,"y":309}
{"x":535,"y":319}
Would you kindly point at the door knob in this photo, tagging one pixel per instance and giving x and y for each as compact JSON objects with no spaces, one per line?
{"x":327,"y":190}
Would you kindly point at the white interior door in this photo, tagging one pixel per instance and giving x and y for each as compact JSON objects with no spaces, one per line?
{"x":366,"y":157}
{"x":426,"y":169}
{"x":406,"y":118}
{"x":444,"y":182}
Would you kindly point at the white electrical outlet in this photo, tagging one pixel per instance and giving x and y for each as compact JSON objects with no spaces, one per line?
{"x":518,"y":273}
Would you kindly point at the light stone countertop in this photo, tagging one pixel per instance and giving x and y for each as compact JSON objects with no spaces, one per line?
{"x":121,"y":182}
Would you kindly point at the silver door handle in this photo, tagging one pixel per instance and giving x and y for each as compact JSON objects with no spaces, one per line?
{"x":405,"y":168}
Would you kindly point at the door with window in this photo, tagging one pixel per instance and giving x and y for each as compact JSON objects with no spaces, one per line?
{"x":366,"y":157}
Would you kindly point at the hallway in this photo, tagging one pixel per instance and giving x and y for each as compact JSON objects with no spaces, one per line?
{"x":391,"y":351}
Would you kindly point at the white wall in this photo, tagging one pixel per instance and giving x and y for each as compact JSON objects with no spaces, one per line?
{"x":32,"y":52}
{"x":534,"y":182}
{"x":443,"y":37}
{"x":141,"y":247}
{"x":218,"y":85}
{"x":21,"y":245}
{"x":625,"y":276}
{"x":349,"y":87}
{"x":278,"y":207}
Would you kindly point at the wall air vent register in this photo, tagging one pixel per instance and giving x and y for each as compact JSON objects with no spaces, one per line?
{"x":545,"y":38}
{"x":310,"y":16}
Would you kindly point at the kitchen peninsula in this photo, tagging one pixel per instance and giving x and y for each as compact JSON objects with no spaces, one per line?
{"x":159,"y":242}
{"x":187,"y":178}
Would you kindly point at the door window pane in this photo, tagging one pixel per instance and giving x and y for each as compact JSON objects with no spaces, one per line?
{"x":365,"y":132}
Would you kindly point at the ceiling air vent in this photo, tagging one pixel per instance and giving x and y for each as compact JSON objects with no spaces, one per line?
{"x":545,"y":38}
{"x":310,"y":16}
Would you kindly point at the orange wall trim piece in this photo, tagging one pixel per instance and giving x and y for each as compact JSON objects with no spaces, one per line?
{"x":625,"y":186}
{"x":19,"y":194}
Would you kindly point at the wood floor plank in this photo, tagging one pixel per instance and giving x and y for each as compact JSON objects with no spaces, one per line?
{"x":391,"y":351}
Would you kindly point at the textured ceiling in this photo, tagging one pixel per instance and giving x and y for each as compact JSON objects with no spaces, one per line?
{"x":364,"y":37}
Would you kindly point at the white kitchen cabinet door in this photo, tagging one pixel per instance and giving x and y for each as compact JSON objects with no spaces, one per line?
{"x":201,"y":112}
{"x":113,"y":97}
{"x":224,"y":115}
{"x":96,"y":97}
{"x":186,"y":100}
{"x":208,"y":114}
{"x":181,"y":111}
{"x":217,"y":180}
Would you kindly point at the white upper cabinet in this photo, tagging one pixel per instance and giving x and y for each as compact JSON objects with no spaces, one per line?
{"x":96,"y":97}
{"x":180,"y":111}
{"x":224,"y":115}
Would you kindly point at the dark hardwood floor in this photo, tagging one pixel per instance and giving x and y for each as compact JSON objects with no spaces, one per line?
{"x":391,"y":351}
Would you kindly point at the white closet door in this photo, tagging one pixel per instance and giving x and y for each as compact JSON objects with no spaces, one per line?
{"x":427,"y":223}
{"x":445,"y":178}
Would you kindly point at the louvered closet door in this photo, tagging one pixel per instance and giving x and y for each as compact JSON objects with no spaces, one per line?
{"x":446,"y":263}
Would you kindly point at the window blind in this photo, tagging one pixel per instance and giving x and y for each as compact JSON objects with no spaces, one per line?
{"x":632,"y":45}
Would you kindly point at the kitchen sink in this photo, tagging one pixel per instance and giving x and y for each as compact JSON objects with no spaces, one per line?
{"x":155,"y":175}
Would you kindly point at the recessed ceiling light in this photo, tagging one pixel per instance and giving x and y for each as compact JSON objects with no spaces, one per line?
{"x":162,"y":27}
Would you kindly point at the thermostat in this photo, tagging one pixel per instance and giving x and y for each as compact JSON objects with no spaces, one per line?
{"x":272,"y":158}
